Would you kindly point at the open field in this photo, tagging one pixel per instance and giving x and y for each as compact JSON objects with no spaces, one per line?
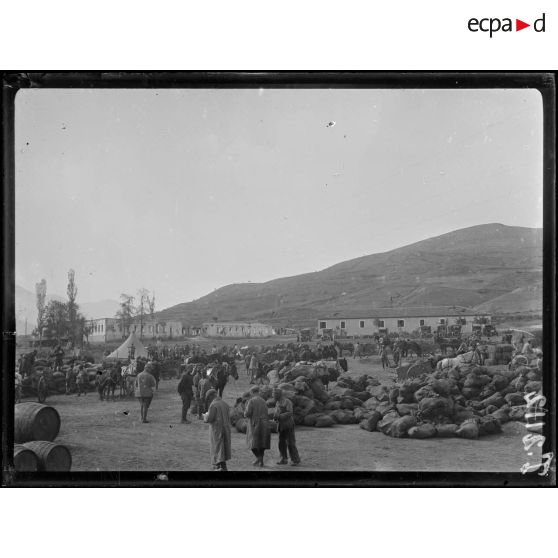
{"x":105,"y":435}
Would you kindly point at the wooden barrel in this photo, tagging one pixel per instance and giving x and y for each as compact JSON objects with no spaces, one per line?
{"x":25,"y":459}
{"x":34,"y":421}
{"x":51,"y":457}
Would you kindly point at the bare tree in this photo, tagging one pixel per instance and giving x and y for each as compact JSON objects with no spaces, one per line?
{"x":143,"y":307}
{"x":40,"y":290}
{"x":151,"y":304}
{"x":127,"y":311}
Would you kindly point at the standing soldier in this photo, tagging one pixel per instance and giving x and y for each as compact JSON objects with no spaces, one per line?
{"x":284,"y":416}
{"x":144,"y":385}
{"x":258,"y":436}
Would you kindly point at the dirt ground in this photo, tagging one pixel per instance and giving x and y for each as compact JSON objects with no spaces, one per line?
{"x":106,"y":435}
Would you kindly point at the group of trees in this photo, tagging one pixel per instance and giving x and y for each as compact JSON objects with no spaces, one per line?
{"x":129,"y":311}
{"x":57,"y":319}
{"x":62,"y":320}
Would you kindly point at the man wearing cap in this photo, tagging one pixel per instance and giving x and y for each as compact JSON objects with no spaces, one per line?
{"x":284,"y":416}
{"x":258,"y":436}
{"x":218,"y":417}
{"x":144,"y":385}
{"x":185,"y":391}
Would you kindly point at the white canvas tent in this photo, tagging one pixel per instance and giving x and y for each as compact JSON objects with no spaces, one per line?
{"x":123,"y":352}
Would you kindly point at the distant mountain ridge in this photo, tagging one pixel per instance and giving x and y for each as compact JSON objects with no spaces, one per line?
{"x":467,"y":267}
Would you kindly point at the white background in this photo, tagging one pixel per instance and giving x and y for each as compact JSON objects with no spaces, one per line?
{"x":254,"y":34}
{"x":291,"y":34}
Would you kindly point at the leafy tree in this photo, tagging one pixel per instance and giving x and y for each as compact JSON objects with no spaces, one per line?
{"x":40,"y":290}
{"x":57,"y":323}
{"x":72,"y":306}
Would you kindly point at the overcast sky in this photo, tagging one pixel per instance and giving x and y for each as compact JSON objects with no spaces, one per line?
{"x":184,"y":191}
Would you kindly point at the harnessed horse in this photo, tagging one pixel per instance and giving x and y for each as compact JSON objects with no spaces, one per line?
{"x":219,"y":375}
{"x":127,"y":379}
{"x":111,"y":382}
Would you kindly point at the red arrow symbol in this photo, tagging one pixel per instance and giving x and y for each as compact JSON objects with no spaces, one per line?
{"x":519,"y":25}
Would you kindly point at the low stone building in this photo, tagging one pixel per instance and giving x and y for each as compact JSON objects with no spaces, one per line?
{"x":399,"y":320}
{"x":237,"y":330}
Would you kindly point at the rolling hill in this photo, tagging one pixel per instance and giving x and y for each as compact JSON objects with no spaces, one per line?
{"x":468,"y":267}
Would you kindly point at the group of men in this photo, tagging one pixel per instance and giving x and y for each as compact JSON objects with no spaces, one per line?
{"x":258,"y":433}
{"x":216,"y":412}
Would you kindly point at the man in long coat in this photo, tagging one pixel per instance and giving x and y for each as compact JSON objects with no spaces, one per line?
{"x":218,"y":417}
{"x":258,"y":436}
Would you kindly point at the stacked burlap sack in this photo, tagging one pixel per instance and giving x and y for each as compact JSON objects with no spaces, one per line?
{"x":313,"y":405}
{"x":466,"y":401}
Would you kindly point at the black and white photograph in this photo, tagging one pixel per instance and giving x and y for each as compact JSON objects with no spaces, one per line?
{"x":280,"y":278}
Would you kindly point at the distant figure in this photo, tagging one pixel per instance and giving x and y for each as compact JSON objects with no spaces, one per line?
{"x":70,"y":373}
{"x":204,"y":386}
{"x":384,"y":356}
{"x":218,"y":417}
{"x":396,"y":355}
{"x":58,"y":357}
{"x":258,"y":436}
{"x":81,"y":380}
{"x":185,"y":390}
{"x":356,"y":352}
{"x":253,"y":368}
{"x":18,"y":386}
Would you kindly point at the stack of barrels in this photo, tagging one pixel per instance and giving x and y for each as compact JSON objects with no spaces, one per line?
{"x":35,"y":428}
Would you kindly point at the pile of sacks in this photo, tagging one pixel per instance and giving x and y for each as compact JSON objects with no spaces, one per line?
{"x":56,"y":381}
{"x":466,"y":401}
{"x":312,"y":404}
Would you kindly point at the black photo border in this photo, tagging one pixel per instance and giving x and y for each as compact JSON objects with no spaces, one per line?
{"x":12,"y":82}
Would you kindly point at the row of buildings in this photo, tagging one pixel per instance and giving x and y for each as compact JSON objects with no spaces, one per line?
{"x":105,"y":330}
{"x":362,"y":324}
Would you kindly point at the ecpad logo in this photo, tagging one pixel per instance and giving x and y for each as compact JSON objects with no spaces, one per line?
{"x":492,"y":25}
